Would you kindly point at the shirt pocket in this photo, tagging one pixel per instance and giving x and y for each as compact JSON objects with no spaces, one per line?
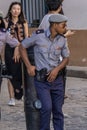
{"x":57,"y":52}
{"x":42,"y":49}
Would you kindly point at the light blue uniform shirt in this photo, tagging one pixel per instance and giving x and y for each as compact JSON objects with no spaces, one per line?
{"x":47,"y":52}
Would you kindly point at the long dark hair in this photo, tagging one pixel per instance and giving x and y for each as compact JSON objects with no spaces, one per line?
{"x":21,"y":18}
{"x":2,"y":24}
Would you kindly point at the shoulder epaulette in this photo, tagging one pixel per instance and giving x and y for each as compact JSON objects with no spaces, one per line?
{"x":3,"y":30}
{"x":39,"y":31}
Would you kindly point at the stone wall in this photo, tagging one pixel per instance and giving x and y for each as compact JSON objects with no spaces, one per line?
{"x":78,"y":47}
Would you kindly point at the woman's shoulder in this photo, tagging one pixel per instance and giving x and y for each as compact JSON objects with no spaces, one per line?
{"x":6,"y":19}
{"x":25,"y":22}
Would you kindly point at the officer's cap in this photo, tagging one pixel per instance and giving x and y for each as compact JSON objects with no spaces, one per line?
{"x":1,"y":14}
{"x":57,"y":18}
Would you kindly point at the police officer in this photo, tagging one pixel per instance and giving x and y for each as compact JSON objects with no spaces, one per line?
{"x":48,"y":46}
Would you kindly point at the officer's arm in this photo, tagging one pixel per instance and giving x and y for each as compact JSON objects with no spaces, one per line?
{"x":13,"y":42}
{"x":65,"y":54}
{"x":64,"y":62}
{"x":53,"y":73}
{"x":27,"y":42}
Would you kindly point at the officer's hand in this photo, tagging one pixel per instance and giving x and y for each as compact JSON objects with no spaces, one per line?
{"x":31,"y":70}
{"x":52,"y":75}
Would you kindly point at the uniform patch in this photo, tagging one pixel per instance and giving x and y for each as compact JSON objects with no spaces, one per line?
{"x":2,"y":29}
{"x":39,"y":31}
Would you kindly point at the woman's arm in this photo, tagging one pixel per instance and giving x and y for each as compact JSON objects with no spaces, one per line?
{"x":26,"y":29}
{"x":16,"y":56}
{"x":69,"y":33}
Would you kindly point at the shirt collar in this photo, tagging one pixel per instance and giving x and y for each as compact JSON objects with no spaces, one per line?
{"x":48,"y":33}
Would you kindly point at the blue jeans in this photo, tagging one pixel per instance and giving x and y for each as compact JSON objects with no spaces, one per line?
{"x":52,"y":97}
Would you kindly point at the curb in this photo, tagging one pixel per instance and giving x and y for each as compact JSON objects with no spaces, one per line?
{"x":77,"y":71}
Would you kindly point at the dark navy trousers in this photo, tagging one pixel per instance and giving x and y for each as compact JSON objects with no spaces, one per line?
{"x":51,"y":96}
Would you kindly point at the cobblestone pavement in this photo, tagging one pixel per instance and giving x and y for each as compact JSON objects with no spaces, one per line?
{"x":75,"y":108}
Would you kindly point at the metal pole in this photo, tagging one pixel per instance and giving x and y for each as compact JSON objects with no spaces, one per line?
{"x":31,"y":102}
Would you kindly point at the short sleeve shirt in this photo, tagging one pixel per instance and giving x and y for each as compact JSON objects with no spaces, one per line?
{"x":47,"y":52}
{"x":5,"y":37}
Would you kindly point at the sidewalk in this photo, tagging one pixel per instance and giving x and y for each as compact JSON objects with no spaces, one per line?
{"x":75,"y":107}
{"x":12,"y":118}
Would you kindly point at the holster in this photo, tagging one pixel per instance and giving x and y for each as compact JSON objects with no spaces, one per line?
{"x":41,"y":75}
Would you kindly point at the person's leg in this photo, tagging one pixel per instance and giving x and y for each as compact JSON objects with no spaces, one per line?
{"x":14,"y":69}
{"x":3,"y":55}
{"x":10,"y":90}
{"x":57,"y":95}
{"x":43,"y":93}
{"x":11,"y":94}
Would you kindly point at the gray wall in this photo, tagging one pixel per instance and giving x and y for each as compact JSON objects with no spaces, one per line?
{"x":4,"y":5}
{"x":76,"y":10}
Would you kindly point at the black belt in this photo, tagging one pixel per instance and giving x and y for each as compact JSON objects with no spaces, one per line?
{"x":42,"y":74}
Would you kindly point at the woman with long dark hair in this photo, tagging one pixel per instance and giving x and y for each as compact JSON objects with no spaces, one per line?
{"x":18,"y":27}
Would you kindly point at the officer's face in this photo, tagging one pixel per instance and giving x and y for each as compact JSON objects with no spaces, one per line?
{"x":60,"y":27}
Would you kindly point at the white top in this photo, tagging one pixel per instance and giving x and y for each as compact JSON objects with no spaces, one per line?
{"x":45,"y":22}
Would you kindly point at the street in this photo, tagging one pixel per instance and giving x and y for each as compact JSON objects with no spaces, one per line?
{"x":75,"y":107}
